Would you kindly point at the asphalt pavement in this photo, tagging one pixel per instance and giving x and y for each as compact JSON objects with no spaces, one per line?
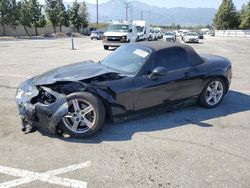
{"x":190,"y":147}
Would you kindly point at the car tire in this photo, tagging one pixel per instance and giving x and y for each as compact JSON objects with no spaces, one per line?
{"x":210,"y":91}
{"x":106,"y":47}
{"x":89,"y":117}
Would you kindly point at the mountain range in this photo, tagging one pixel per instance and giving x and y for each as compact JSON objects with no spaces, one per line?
{"x":115,"y":10}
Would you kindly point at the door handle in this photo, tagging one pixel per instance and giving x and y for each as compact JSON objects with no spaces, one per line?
{"x":195,"y":74}
{"x":187,"y":74}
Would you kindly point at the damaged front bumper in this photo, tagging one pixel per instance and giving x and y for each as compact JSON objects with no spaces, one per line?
{"x":45,"y":116}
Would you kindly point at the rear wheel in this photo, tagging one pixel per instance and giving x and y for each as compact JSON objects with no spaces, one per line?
{"x":213,"y":93}
{"x":85,"y":116}
{"x":106,"y":47}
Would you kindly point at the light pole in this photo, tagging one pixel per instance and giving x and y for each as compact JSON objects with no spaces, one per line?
{"x":97,"y":16}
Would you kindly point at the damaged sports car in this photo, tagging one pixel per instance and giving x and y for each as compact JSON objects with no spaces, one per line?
{"x":136,"y":78}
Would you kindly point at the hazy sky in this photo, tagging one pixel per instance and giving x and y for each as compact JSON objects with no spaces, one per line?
{"x":176,"y":3}
{"x":183,"y":3}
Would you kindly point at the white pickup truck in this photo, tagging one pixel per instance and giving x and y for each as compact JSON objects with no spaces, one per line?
{"x":118,"y":33}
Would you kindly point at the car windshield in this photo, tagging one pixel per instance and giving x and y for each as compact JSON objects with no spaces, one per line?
{"x":169,"y":33}
{"x":139,"y":29}
{"x":127,"y":59}
{"x":192,"y":34}
{"x":118,"y":28}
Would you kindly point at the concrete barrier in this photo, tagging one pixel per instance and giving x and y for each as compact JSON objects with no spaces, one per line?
{"x":232,"y":33}
{"x":19,"y":30}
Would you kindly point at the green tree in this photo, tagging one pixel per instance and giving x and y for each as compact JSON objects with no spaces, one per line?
{"x":53,"y":11}
{"x":83,"y":14}
{"x":227,"y":16}
{"x":245,"y":16}
{"x":9,"y":13}
{"x":74,"y":16}
{"x":26,"y":15}
{"x":63,"y":16}
{"x":67,"y":17}
{"x":14,"y":13}
{"x":38,"y":19}
{"x":178,"y":27}
{"x":4,"y":14}
{"x":79,"y":15}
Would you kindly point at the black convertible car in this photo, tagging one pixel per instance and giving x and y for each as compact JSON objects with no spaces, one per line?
{"x":135,"y":78}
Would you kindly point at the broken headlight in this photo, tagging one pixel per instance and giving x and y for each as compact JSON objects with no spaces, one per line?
{"x":44,"y":97}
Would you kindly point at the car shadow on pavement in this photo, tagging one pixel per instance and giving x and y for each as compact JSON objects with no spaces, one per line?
{"x":234,"y":102}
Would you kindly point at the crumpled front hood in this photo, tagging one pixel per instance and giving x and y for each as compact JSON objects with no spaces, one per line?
{"x":73,"y":72}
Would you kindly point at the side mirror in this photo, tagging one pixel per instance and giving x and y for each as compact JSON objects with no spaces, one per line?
{"x":158,"y":72}
{"x":130,"y":30}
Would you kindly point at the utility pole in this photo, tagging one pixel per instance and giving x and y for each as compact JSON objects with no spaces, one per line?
{"x":131,"y":12}
{"x":142,"y":15}
{"x":127,"y":7}
{"x":149,"y":16}
{"x":97,"y":14}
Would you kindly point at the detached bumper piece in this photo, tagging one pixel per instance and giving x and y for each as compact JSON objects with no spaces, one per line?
{"x":27,"y":126}
{"x":36,"y":112}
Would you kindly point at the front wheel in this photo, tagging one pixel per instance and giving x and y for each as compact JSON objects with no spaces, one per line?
{"x":106,"y":47}
{"x":85,"y":116}
{"x":213,"y":93}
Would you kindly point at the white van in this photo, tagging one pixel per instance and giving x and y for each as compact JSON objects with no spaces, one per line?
{"x":118,"y":33}
{"x":152,"y":35}
{"x":159,"y":33}
{"x":142,"y":29}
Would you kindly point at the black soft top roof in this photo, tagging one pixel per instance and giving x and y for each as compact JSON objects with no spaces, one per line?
{"x":194,"y":58}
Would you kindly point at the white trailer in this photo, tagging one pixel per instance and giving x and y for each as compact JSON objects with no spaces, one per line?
{"x":142,"y":29}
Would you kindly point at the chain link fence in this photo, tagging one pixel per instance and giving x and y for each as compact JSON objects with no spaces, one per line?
{"x":232,"y":33}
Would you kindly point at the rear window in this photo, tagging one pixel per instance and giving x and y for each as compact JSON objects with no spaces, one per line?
{"x":172,"y":59}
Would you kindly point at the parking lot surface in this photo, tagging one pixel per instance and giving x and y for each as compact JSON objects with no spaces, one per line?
{"x":190,"y":147}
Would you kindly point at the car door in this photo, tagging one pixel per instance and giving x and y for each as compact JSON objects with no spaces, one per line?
{"x":178,"y":84}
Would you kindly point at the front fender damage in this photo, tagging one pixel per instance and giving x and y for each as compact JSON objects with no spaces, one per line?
{"x":47,"y":117}
{"x":46,"y":104}
{"x":43,"y":116}
{"x":50,"y":115}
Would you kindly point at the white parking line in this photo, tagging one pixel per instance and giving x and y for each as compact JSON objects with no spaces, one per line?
{"x":49,"y":176}
{"x":14,"y":75}
{"x":241,"y":91}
